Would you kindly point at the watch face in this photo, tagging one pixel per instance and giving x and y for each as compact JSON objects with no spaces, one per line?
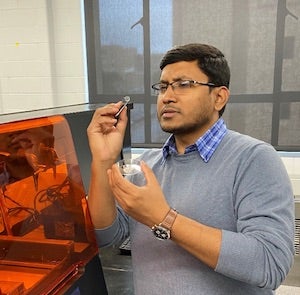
{"x":161,"y":233}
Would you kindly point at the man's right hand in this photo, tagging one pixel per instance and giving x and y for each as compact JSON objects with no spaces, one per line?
{"x":106,"y":133}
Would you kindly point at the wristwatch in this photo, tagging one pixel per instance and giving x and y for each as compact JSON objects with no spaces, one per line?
{"x":163,"y":230}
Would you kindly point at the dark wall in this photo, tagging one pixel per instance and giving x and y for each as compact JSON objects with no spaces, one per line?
{"x":78,"y":123}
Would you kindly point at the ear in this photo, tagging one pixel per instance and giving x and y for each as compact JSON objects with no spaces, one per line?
{"x":221,"y":97}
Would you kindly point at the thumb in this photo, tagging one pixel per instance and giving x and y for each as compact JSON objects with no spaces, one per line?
{"x":148,"y":173}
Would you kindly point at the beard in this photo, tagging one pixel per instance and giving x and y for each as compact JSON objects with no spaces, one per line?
{"x":185,"y":127}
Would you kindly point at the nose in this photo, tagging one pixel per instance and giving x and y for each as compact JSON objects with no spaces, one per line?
{"x":169,"y":95}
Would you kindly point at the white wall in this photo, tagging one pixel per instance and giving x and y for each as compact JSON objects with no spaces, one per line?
{"x":42,"y":56}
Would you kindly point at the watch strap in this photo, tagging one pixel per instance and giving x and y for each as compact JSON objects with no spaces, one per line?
{"x":169,"y":219}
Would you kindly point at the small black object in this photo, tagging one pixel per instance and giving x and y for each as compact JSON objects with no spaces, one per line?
{"x":125,"y":247}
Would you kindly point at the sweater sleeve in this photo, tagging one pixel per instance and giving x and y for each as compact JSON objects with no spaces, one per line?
{"x":261,"y":251}
{"x":114,"y":233}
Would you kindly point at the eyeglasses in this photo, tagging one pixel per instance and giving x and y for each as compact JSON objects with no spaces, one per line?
{"x":178,"y":87}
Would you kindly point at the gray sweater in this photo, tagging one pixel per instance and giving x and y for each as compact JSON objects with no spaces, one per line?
{"x":245,"y":191}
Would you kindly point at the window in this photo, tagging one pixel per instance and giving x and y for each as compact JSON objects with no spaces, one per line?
{"x":127,"y":39}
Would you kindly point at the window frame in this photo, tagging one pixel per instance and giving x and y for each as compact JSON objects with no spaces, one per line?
{"x":276,"y":98}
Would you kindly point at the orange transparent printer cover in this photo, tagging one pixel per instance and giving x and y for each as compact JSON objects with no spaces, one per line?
{"x":46,"y":235}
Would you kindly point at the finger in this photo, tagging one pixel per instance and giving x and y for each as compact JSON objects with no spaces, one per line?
{"x":108,"y":110}
{"x":118,"y":183}
{"x":104,"y":119}
{"x":112,"y":182}
{"x":114,"y":187}
{"x":117,"y":108}
{"x":102,"y":116}
{"x":118,"y":178}
{"x":148,"y":173}
{"x":108,"y":113}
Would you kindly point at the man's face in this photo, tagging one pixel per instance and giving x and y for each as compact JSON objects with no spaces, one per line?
{"x":189,"y":111}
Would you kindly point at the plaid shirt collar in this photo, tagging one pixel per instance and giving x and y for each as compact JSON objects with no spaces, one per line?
{"x":205,"y":145}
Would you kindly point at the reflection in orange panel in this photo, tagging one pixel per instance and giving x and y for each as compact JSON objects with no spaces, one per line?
{"x":46,"y":234}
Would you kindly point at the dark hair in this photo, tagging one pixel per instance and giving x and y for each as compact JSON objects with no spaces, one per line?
{"x":211,"y":61}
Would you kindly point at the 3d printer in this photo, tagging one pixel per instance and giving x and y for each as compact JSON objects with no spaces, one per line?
{"x":46,"y":235}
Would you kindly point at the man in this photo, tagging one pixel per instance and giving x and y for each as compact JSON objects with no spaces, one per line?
{"x":216,"y":214}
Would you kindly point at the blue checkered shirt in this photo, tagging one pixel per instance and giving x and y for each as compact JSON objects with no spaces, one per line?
{"x":205,"y":145}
